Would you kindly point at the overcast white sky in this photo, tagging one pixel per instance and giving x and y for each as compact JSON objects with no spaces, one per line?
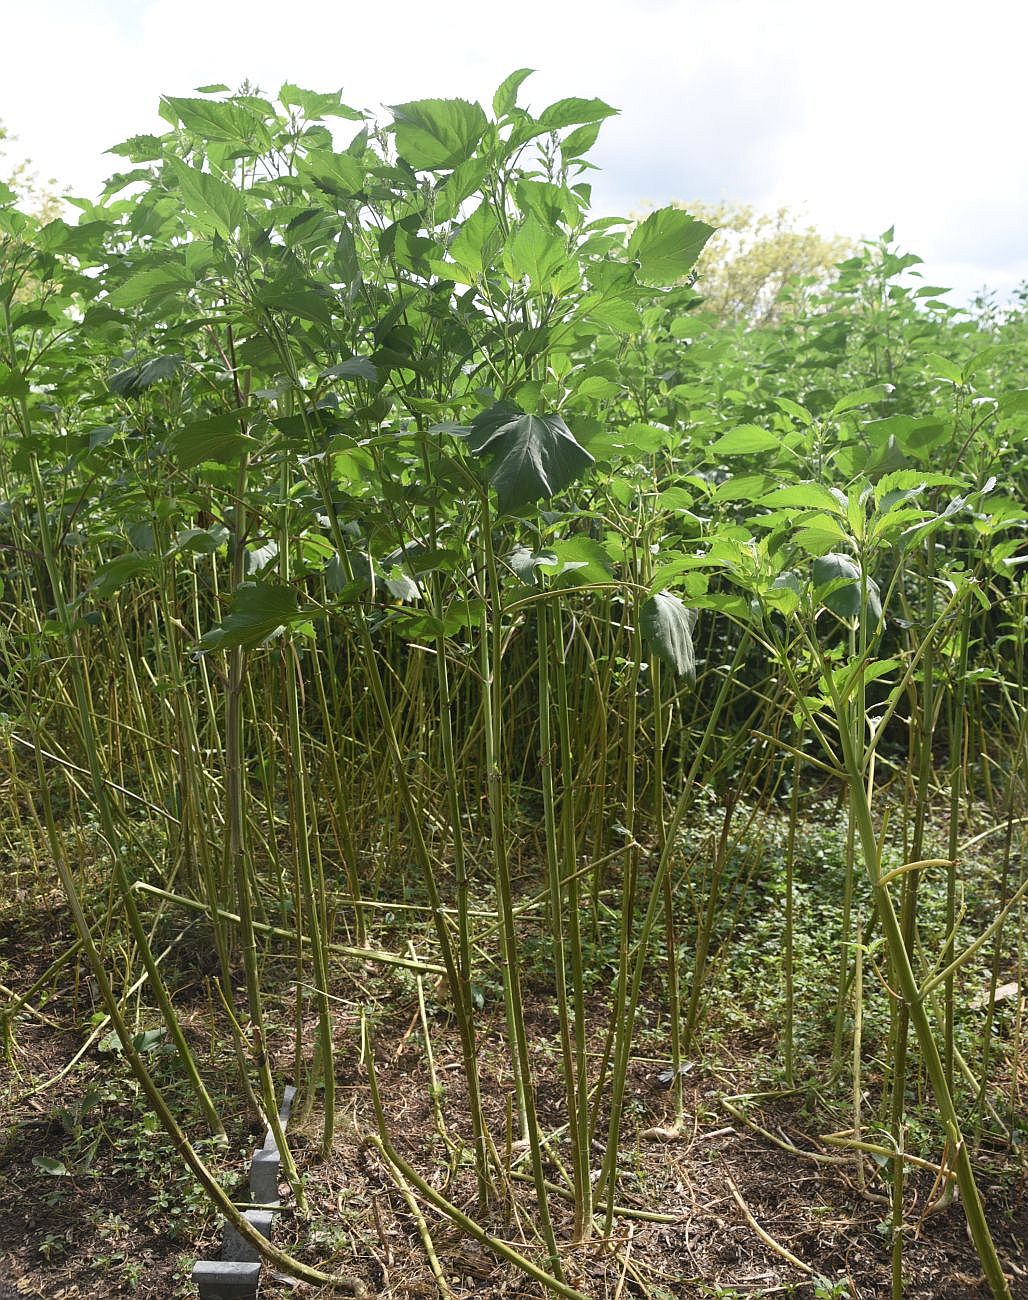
{"x":861,"y":113}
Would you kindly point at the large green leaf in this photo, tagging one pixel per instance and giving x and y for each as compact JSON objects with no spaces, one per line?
{"x":666,"y":245}
{"x":744,"y":441}
{"x":536,"y":252}
{"x":151,"y":285}
{"x":837,"y":581}
{"x":216,"y":205}
{"x":574,"y":112}
{"x":437,"y":134}
{"x":533,"y":456}
{"x":218,"y":120}
{"x":805,"y":496}
{"x":259,"y":610}
{"x":217,"y":439}
{"x":667,"y":627}
{"x":132,"y":382}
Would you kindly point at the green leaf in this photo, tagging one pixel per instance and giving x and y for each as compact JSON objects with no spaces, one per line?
{"x":804,"y":496}
{"x":151,"y":286}
{"x":475,"y":244}
{"x":47,"y":1165}
{"x":837,"y":581}
{"x":352,"y":368}
{"x":536,"y":252}
{"x":581,"y":559}
{"x":506,"y":97}
{"x":217,"y":206}
{"x":218,"y":120}
{"x":1014,"y":403}
{"x":135,"y":380}
{"x":579,"y":142}
{"x":944,"y":368}
{"x":217,"y":439}
{"x":11,"y":383}
{"x":574,"y":112}
{"x":116,"y":573}
{"x":666,"y":245}
{"x":864,"y":397}
{"x":667,"y":627}
{"x":533,"y":456}
{"x":744,"y":441}
{"x":259,"y":610}
{"x":437,"y":134}
{"x":316,"y":104}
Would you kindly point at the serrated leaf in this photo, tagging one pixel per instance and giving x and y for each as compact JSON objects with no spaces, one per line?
{"x":475,"y":243}
{"x":506,"y":97}
{"x":218,"y":439}
{"x":117,"y":572}
{"x":535,"y":251}
{"x":150,"y":286}
{"x":804,"y":496}
{"x":745,"y":441}
{"x":216,"y":205}
{"x":352,"y":368}
{"x":574,"y":112}
{"x":533,"y":456}
{"x":258,"y":610}
{"x":437,"y":134}
{"x":667,"y":627}
{"x":135,"y":380}
{"x":666,"y":245}
{"x":841,"y":576}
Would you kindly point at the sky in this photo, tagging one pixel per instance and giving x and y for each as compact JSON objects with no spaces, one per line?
{"x":858,"y":114}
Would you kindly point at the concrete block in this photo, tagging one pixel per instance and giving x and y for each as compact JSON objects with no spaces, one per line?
{"x":235,"y":1247}
{"x":225,"y":1279}
{"x":264,"y":1176}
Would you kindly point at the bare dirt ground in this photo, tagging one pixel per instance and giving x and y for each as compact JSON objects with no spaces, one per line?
{"x":92,"y":1203}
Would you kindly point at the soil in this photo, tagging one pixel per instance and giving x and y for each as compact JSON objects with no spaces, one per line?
{"x":118,"y":1220}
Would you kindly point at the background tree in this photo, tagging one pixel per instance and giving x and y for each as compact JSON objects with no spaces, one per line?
{"x":744,"y":269}
{"x":39,"y":197}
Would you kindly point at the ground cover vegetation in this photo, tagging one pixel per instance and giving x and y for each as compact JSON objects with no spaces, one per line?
{"x":578,"y":741}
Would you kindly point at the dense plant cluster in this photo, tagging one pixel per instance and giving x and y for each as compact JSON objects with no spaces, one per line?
{"x":387,"y":527}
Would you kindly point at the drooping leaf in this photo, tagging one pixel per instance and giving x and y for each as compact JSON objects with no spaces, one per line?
{"x":117,"y":572}
{"x":437,"y":134}
{"x":135,"y":380}
{"x":666,"y":245}
{"x":352,"y":368}
{"x":218,"y":439}
{"x":48,"y":1165}
{"x":667,"y":627}
{"x":841,"y":576}
{"x":258,"y":611}
{"x":533,"y":456}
